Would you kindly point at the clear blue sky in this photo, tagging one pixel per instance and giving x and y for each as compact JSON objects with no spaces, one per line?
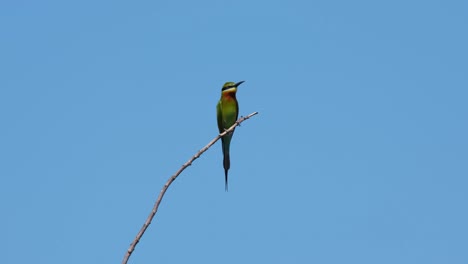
{"x":359,"y":153}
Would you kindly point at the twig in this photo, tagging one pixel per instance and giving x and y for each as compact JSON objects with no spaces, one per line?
{"x":171,"y":179}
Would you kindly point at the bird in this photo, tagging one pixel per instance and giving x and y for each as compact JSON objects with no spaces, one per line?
{"x":227,"y":111}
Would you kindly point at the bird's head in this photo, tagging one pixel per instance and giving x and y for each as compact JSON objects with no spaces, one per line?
{"x":231,"y":86}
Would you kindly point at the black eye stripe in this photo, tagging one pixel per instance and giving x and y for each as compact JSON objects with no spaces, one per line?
{"x":228,"y":87}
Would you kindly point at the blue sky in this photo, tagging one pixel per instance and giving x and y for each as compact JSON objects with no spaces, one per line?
{"x":359,"y":153}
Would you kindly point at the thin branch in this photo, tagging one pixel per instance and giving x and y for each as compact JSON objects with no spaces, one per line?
{"x":171,"y":179}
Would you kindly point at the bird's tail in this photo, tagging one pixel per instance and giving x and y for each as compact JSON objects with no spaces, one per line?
{"x":226,"y":160}
{"x":226,"y":164}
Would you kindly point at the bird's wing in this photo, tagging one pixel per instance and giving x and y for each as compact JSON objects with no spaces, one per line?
{"x":237,"y":110}
{"x":220,"y":117}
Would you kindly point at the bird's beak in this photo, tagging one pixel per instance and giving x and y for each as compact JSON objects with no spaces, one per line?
{"x":239,"y":83}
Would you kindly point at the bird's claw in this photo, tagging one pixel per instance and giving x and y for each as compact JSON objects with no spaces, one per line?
{"x":239,"y":123}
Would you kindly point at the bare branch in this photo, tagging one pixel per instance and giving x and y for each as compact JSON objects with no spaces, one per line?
{"x":171,"y":179}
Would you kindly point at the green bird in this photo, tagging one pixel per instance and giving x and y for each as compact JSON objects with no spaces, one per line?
{"x":227,"y":111}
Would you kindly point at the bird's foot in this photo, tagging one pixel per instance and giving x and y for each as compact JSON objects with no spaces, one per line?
{"x":238,"y":123}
